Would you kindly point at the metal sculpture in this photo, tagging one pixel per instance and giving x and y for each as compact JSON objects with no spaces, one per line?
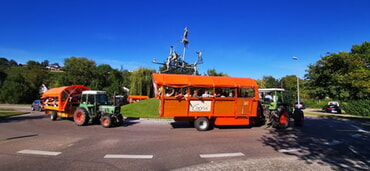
{"x":174,"y":62}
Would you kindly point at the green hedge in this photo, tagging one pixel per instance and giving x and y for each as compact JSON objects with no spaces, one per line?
{"x":316,"y":104}
{"x":358,"y":107}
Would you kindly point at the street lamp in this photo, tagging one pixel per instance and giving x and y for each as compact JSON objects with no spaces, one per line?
{"x":298,"y":102}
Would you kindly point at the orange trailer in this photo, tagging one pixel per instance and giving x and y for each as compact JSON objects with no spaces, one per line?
{"x":62,"y":101}
{"x":207,"y":100}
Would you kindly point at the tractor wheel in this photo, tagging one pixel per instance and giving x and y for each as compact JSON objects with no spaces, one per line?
{"x":81,"y":117}
{"x":202,"y":124}
{"x":298,"y":117}
{"x":119,"y":121}
{"x":106,"y":121}
{"x":275,"y":118}
{"x":284,"y":118}
{"x":53,"y":115}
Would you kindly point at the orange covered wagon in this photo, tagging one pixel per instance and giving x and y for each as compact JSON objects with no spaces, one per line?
{"x":62,"y":101}
{"x":208,"y":100}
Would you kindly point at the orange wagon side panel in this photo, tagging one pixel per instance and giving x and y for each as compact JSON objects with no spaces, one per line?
{"x":231,"y":121}
{"x":224,"y":107}
{"x":175,"y":107}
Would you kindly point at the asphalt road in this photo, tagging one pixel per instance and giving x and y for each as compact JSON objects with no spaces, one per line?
{"x":34,"y":142}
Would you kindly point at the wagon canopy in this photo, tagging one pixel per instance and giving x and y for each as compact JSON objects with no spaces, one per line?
{"x":177,"y":80}
{"x":62,"y":95}
{"x":66,"y":90}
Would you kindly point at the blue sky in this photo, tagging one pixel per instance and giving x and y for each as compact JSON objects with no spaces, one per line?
{"x":243,"y":38}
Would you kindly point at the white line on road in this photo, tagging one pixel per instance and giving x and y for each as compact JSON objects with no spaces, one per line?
{"x":39,"y":152}
{"x":126,"y":156}
{"x":221,"y":155}
{"x":359,"y":129}
{"x":333,"y":143}
{"x":292,"y":150}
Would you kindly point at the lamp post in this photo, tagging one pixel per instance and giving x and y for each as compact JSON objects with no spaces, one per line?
{"x":298,"y":102}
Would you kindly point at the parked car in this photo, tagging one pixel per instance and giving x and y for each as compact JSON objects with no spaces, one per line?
{"x":302,"y":106}
{"x":37,"y":105}
{"x":332,"y":107}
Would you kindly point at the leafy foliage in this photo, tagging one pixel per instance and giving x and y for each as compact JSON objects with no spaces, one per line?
{"x":358,"y":107}
{"x":212,"y":72}
{"x":342,"y":76}
{"x":79,"y":70}
{"x":141,"y":82}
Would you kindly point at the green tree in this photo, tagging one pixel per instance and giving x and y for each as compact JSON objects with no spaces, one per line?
{"x":15,"y":90}
{"x":341,"y":76}
{"x":268,"y":82}
{"x":35,"y":75}
{"x":79,"y":70}
{"x":114,"y":85}
{"x":141,"y":82}
{"x":212,"y":72}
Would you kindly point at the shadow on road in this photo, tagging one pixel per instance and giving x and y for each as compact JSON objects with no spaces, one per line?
{"x":323,"y":140}
{"x":180,"y":124}
{"x":129,"y":121}
{"x":20,"y":118}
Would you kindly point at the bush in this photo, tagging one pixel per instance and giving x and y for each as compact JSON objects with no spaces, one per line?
{"x":358,"y":107}
{"x":316,"y":104}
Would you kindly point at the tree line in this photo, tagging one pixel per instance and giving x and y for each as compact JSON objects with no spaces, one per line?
{"x":343,"y":76}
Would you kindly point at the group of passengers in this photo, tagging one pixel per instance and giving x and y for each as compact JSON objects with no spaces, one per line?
{"x":199,"y":93}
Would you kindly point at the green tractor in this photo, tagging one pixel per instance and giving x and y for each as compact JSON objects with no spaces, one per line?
{"x":94,"y":108}
{"x":277,"y":111}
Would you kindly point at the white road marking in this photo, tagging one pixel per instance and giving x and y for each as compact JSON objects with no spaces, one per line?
{"x":335,"y":142}
{"x":39,"y":152}
{"x":356,"y":136}
{"x":221,"y":155}
{"x":292,"y":150}
{"x":126,"y":156}
{"x":359,"y":129}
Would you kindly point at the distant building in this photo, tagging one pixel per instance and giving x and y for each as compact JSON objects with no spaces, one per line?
{"x":54,"y":67}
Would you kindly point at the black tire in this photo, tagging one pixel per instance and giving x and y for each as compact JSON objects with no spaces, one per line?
{"x":81,"y":117}
{"x":32,"y":108}
{"x":275,"y":115}
{"x":106,"y":121}
{"x":119,"y":120}
{"x":202,"y":124}
{"x":53,"y":116}
{"x":280,"y":118}
{"x":283,"y":118}
{"x":298,"y":117}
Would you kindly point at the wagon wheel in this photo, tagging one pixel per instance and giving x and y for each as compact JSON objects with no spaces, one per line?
{"x":53,"y":115}
{"x":202,"y":124}
{"x":81,"y":117}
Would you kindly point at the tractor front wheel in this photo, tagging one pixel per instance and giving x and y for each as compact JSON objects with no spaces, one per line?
{"x":106,"y":121}
{"x":81,"y":117}
{"x":119,"y":120}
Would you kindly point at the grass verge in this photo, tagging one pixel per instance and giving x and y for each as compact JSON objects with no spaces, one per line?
{"x":142,"y":109}
{"x":5,"y":112}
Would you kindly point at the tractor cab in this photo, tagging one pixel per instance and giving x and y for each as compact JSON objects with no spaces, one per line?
{"x":272,"y":98}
